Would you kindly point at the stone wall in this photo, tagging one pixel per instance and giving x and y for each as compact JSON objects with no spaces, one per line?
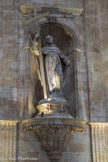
{"x":17,"y":81}
{"x":97,"y":38}
{"x":8,"y":60}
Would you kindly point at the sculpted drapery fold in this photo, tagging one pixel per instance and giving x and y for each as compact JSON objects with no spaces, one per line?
{"x":55,"y":66}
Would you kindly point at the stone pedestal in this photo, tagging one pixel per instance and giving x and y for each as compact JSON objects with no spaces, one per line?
{"x":52,"y":108}
{"x":54,"y":131}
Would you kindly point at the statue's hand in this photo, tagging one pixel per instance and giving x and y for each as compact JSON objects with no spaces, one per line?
{"x":68,"y":63}
{"x":37,"y":35}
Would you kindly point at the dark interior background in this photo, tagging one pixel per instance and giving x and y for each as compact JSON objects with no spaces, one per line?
{"x":66,"y":44}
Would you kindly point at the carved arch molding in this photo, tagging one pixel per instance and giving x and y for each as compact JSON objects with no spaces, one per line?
{"x":65,"y":39}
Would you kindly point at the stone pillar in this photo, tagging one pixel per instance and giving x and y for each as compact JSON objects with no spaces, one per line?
{"x":8,"y":138}
{"x":99,"y":136}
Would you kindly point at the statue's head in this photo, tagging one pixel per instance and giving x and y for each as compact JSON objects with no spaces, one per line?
{"x":49,"y":40}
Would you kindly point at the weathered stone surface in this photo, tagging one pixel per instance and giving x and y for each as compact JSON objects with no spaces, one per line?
{"x":99,"y":141}
{"x":8,"y":138}
{"x":88,"y":95}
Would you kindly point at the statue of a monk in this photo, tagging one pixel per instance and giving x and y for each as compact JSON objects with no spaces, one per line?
{"x":55,"y":65}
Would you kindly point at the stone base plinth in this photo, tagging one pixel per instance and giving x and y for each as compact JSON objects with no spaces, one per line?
{"x":52,"y":108}
{"x":54,"y":132}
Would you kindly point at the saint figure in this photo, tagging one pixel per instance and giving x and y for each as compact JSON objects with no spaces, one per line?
{"x":55,"y":63}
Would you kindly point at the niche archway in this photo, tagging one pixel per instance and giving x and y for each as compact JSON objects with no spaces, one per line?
{"x":65,"y":41}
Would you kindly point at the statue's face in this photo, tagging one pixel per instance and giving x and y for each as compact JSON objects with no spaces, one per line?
{"x":49,"y":40}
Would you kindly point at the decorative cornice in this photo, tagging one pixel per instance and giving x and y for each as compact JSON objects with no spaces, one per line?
{"x":79,"y":124}
{"x":75,"y":12}
{"x":98,"y":124}
{"x":8,"y":121}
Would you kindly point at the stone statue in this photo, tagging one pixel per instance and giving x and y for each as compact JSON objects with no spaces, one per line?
{"x":55,"y":65}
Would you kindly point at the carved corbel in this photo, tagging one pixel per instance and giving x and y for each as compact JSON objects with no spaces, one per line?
{"x":54,"y":136}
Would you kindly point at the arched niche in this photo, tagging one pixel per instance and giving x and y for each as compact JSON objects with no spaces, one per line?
{"x":65,"y":40}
